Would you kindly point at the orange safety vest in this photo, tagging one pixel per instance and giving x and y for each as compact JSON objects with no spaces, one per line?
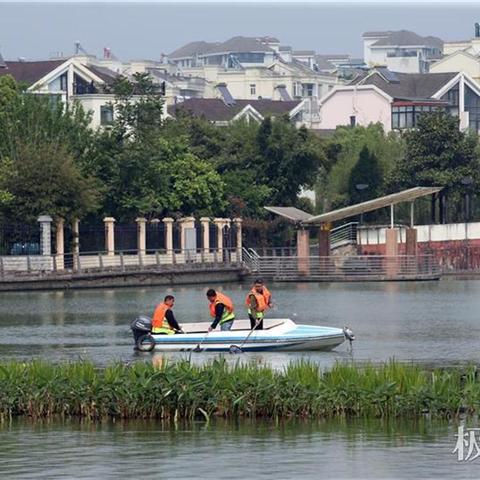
{"x":159,"y":322}
{"x":221,"y":298}
{"x":263,"y":299}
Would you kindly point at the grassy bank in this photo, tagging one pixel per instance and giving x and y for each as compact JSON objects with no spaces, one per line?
{"x":187,"y":391}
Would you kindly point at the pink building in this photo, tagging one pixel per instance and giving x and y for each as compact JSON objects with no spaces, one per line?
{"x":396,"y":100}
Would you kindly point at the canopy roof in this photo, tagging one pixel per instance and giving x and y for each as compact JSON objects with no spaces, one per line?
{"x":305,"y":218}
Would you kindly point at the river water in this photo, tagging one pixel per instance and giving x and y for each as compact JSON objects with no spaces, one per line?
{"x":436,"y":323}
{"x":431,"y":322}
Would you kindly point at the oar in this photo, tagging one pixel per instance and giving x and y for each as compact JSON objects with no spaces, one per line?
{"x":198,"y":347}
{"x":235,"y":349}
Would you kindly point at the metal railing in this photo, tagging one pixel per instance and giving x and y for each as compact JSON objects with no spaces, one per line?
{"x":364,"y":267}
{"x":343,"y":235}
{"x":119,"y":261}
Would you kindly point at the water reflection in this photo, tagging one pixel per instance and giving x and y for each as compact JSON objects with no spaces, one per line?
{"x":338,"y":448}
{"x":433,"y":322}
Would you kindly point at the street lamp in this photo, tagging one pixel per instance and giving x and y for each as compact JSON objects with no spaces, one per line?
{"x":360,"y":187}
{"x":466,"y":182}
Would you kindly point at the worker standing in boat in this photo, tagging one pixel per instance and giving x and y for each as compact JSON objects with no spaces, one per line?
{"x":221,"y":309}
{"x":258,"y":301}
{"x":164,"y":322}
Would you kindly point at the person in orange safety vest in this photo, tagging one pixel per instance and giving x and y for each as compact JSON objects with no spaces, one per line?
{"x":163,"y":321}
{"x":221,"y":309}
{"x":258,"y":301}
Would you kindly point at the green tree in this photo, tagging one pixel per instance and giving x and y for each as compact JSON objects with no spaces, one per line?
{"x":439,"y":154}
{"x":43,"y":179}
{"x":342,"y":153}
{"x":138,"y":106}
{"x":288,"y":159}
{"x":366,"y":173}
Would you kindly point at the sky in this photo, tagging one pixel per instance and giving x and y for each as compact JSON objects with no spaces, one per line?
{"x":37,"y":30}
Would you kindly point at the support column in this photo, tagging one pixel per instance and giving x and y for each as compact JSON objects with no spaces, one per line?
{"x":391,"y":246}
{"x":220,"y":223}
{"x":109,"y":235}
{"x":238,"y":225}
{"x":141,"y":235}
{"x":411,"y":241}
{"x":324,"y":241}
{"x":60,"y":243}
{"x":76,"y":242}
{"x":168,"y":222}
{"x":303,"y":251}
{"x":45,"y":222}
{"x":185,"y":223}
{"x":205,"y":223}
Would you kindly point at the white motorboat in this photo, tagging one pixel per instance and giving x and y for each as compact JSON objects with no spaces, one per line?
{"x":277,"y":334}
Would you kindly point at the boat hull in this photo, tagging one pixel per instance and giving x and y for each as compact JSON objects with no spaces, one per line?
{"x":281,"y":335}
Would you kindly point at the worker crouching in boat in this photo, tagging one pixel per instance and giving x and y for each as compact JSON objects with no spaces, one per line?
{"x":164,"y":322}
{"x":258,"y":301}
{"x":221,"y":309}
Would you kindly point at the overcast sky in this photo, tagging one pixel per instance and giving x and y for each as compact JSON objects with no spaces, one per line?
{"x":145,"y":30}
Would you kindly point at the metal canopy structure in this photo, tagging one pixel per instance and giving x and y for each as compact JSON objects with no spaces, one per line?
{"x":290,"y":213}
{"x":306,"y":219}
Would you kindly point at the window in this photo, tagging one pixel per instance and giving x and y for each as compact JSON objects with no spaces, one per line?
{"x":297,"y":89}
{"x":63,"y":82}
{"x":452,"y":98}
{"x":253,"y":89}
{"x":308,"y":89}
{"x":407,"y":116}
{"x":472,"y":106}
{"x":353,"y":120}
{"x":106,"y":114}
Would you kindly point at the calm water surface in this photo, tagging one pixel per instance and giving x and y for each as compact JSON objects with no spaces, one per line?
{"x":330,"y":449}
{"x":433,"y":322}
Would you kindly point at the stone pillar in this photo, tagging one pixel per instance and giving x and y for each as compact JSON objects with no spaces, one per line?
{"x":303,"y":251}
{"x":168,"y":222}
{"x":45,"y":222}
{"x":391,"y":247}
{"x":60,"y":244}
{"x":205,"y":223}
{"x":109,"y":235}
{"x":185,"y":223}
{"x":75,"y":242}
{"x":411,"y":241}
{"x":324,"y":242}
{"x":141,"y":235}
{"x":238,"y":225}
{"x":219,"y":224}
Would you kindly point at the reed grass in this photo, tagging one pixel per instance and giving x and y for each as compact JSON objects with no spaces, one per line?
{"x":183,"y":390}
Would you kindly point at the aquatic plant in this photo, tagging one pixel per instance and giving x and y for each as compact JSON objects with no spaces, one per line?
{"x":184,"y":390}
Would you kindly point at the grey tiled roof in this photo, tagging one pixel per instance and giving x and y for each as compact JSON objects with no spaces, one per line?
{"x":241,"y":44}
{"x":29,"y":72}
{"x":215,"y":110}
{"x":107,"y":75}
{"x":303,"y":52}
{"x":193,"y":48}
{"x":409,"y":85}
{"x":406,"y":38}
{"x":234,"y":44}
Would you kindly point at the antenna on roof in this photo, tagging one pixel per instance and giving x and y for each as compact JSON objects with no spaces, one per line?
{"x":79,"y":49}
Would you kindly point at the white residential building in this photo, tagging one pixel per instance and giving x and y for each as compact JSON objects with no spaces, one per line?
{"x":401,"y":51}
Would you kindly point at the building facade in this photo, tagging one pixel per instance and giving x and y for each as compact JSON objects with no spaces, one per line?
{"x":397,"y":100}
{"x":401,"y":51}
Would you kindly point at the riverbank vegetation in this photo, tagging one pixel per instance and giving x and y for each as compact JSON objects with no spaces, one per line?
{"x":183,"y":390}
{"x":144,"y":166}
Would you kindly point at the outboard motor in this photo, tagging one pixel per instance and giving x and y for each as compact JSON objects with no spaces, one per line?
{"x":141,"y":329}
